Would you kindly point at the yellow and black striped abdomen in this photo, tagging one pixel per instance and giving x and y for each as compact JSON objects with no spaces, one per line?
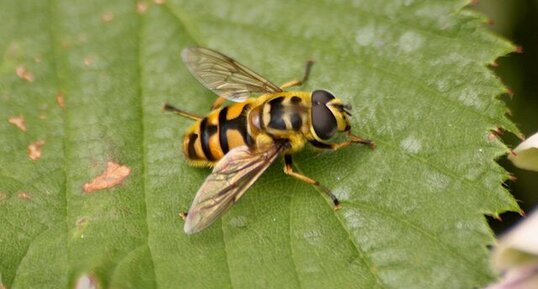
{"x":210,"y":138}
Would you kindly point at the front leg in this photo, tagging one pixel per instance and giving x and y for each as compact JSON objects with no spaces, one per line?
{"x":351,"y":140}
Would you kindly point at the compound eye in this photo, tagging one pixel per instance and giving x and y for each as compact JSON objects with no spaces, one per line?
{"x":321,"y":97}
{"x":323,"y":120}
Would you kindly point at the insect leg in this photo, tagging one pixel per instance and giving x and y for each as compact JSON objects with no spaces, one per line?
{"x":171,"y":108}
{"x":218,"y":103}
{"x":297,"y":82}
{"x":288,"y":170}
{"x":357,"y":139}
{"x":352,"y":139}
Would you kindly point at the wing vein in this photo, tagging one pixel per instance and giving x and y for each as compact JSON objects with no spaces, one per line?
{"x":225,"y":76}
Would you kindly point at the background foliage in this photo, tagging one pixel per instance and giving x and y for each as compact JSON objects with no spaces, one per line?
{"x":413,"y":208}
{"x":518,"y":21}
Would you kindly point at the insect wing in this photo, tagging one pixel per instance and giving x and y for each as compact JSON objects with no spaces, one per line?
{"x":225,"y":76}
{"x":230,"y":178}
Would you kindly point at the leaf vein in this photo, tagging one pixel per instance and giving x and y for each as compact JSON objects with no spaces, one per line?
{"x":417,"y":228}
{"x":366,"y":260}
{"x":143,"y":144}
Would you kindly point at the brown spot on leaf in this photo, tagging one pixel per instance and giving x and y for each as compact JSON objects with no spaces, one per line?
{"x":24,"y":196}
{"x":158,"y":2}
{"x":66,"y":44}
{"x":24,"y":74}
{"x":18,"y":121}
{"x":3,"y":197}
{"x":81,"y":225}
{"x":510,"y":92}
{"x":113,"y":175}
{"x":88,"y":61}
{"x":494,"y":134}
{"x":34,"y":150}
{"x":141,"y":7}
{"x":60,"y":100}
{"x":82,"y":222}
{"x":107,"y":16}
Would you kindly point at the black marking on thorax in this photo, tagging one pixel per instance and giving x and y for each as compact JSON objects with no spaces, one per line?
{"x":296,"y":121}
{"x":296,"y":100}
{"x":278,"y":111}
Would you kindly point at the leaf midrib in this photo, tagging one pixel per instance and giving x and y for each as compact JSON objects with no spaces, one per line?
{"x":143,"y":144}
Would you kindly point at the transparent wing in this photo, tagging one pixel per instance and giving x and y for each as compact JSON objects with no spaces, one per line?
{"x":230,"y":178}
{"x":225,"y":76}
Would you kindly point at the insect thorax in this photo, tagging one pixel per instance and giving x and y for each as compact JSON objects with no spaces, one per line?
{"x":286,"y":113}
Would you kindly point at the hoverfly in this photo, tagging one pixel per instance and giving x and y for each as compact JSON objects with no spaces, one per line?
{"x":241,"y":140}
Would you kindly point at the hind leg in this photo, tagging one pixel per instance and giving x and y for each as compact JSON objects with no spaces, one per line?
{"x":288,"y":170}
{"x":218,"y":103}
{"x":189,"y":115}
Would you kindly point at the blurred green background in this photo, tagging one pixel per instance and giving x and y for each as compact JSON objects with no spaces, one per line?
{"x":517,"y":20}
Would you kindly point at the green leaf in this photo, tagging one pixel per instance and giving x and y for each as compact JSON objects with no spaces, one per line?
{"x":412,"y":214}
